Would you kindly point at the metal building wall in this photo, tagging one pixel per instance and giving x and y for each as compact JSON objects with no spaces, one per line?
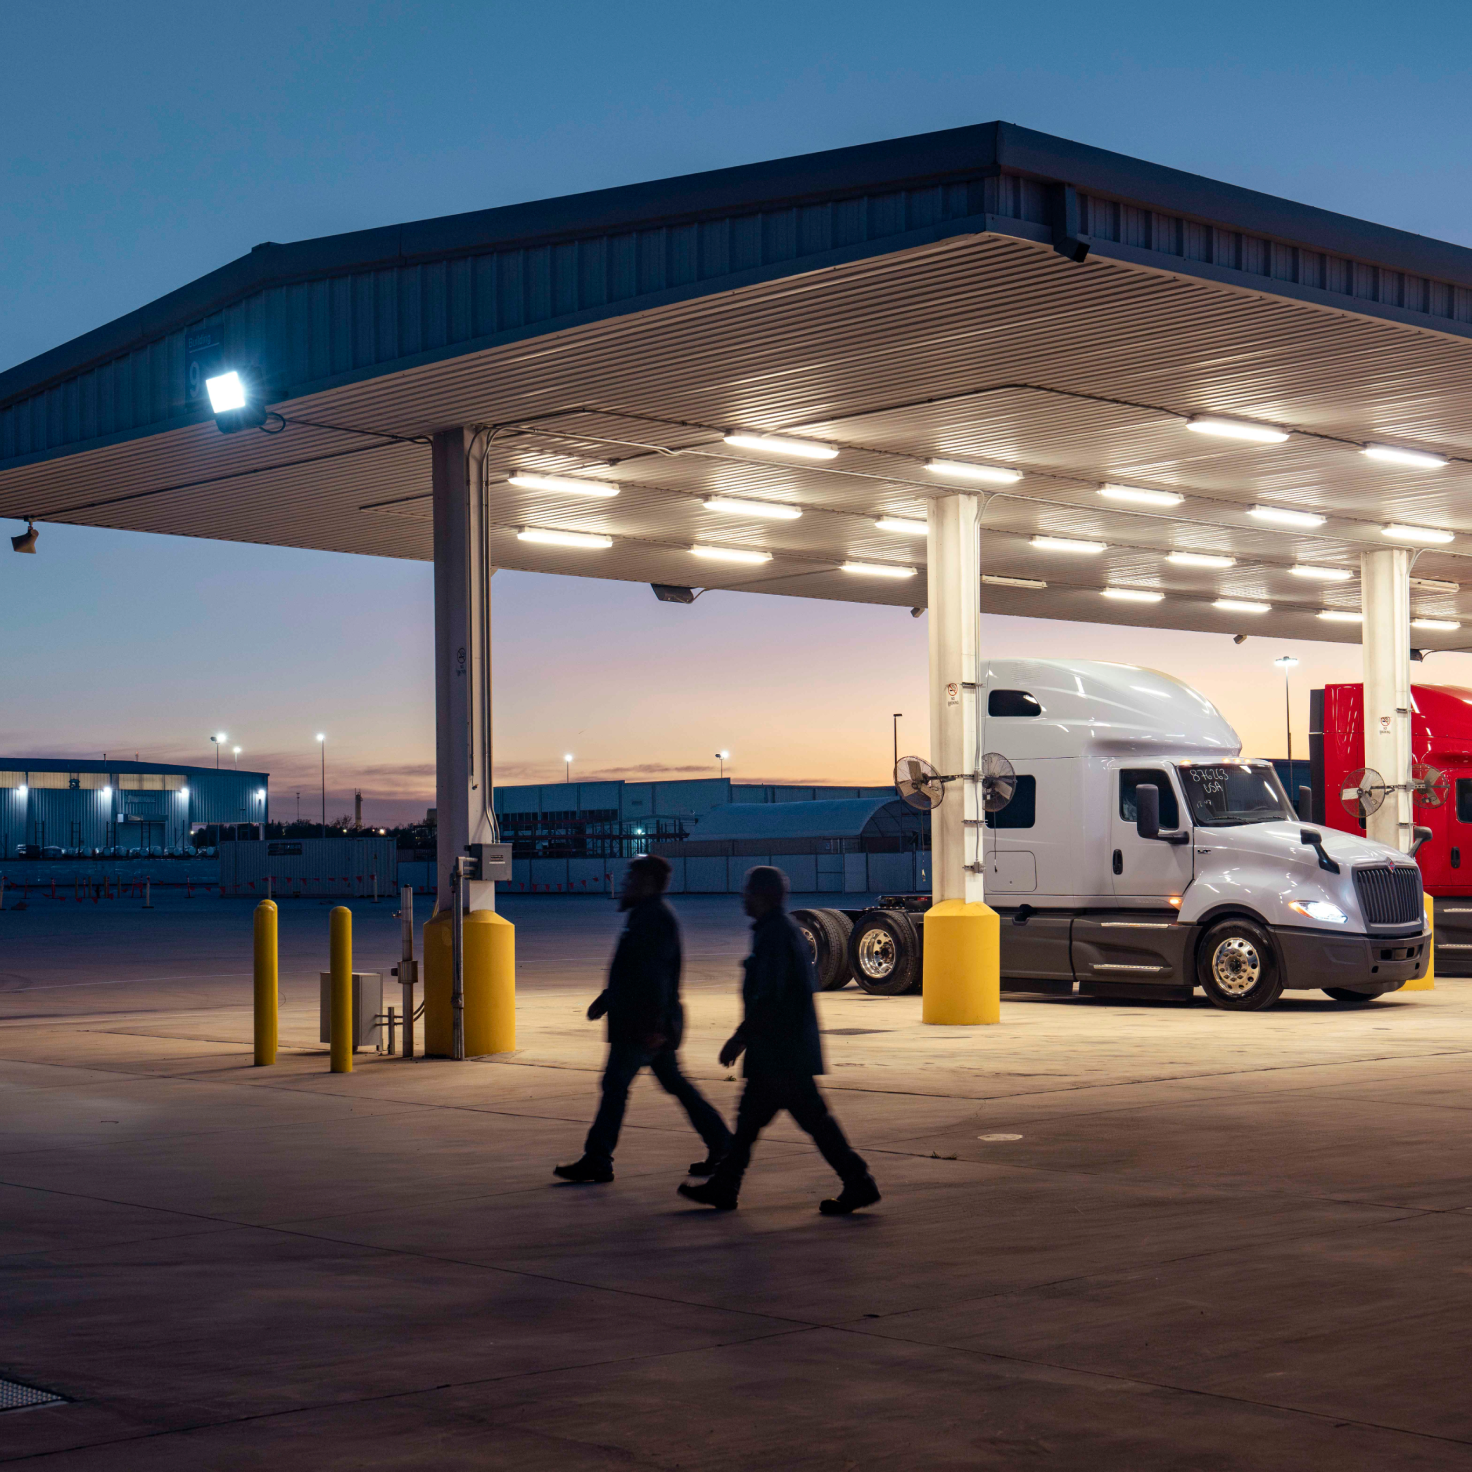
{"x":314,"y":866}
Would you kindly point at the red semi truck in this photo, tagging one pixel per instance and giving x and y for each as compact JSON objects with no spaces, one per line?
{"x":1441,"y":739}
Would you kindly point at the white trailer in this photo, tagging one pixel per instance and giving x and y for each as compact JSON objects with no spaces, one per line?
{"x":1141,"y":856}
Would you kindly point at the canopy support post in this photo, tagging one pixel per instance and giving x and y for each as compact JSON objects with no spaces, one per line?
{"x":1386,"y":603}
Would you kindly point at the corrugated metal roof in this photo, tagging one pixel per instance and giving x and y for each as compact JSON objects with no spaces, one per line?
{"x":844,"y":817}
{"x":934,"y":319}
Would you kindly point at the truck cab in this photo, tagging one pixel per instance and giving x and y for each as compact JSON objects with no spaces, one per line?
{"x":1141,"y":855}
{"x":1441,"y":738}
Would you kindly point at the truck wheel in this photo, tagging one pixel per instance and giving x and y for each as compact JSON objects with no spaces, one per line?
{"x":1343,"y":994}
{"x":884,"y":953}
{"x":826,"y":932}
{"x":1237,"y":968}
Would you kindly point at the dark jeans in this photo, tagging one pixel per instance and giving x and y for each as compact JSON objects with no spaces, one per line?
{"x":798,"y":1094}
{"x":624,"y":1063}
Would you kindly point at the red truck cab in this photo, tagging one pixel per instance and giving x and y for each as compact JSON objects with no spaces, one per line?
{"x":1441,"y":737}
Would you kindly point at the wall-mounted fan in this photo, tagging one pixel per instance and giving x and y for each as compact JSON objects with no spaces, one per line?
{"x":1430,"y":785}
{"x":1362,"y":792}
{"x":918,"y":783}
{"x":998,"y":782}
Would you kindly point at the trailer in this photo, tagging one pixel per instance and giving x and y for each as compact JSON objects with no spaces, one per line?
{"x":1140,"y":855}
{"x":1441,"y":772}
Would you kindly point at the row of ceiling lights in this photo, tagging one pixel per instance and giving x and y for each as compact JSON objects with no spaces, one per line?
{"x":958,"y":470}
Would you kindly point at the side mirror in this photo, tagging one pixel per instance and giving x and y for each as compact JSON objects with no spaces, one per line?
{"x":1147,"y":810}
{"x":1315,"y":840}
{"x":1305,"y":804}
{"x":1419,"y":836}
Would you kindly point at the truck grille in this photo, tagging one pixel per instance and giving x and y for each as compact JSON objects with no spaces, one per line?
{"x":1389,"y":896}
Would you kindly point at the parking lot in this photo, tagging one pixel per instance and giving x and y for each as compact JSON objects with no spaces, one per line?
{"x":1155,"y":1236}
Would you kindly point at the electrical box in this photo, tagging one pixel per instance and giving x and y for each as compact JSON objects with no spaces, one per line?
{"x":367,"y":1008}
{"x":489,"y":861}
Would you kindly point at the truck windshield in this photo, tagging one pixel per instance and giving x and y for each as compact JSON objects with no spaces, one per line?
{"x":1231,"y":795}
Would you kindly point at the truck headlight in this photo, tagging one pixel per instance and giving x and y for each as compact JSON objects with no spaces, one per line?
{"x":1319,"y":910}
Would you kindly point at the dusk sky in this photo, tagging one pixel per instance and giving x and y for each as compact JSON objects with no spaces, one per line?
{"x":146,"y":145}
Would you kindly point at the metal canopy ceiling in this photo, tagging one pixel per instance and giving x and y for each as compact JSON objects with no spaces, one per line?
{"x":972,"y":337}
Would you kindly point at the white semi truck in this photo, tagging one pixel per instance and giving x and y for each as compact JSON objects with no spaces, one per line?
{"x":1141,"y":856}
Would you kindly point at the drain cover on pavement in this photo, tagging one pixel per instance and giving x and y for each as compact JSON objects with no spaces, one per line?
{"x":999,"y":1137}
{"x":14,"y":1396}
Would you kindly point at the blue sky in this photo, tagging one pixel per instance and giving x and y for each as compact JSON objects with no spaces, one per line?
{"x":146,"y":144}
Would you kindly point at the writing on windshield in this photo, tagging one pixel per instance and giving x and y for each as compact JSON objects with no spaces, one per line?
{"x":1230,"y":795}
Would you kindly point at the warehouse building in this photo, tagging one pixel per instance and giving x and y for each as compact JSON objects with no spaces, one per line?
{"x":66,"y":807}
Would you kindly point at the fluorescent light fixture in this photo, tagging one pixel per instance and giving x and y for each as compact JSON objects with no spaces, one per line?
{"x":903,"y":525}
{"x":1428,"y":535}
{"x":732,"y":554}
{"x":776,"y":444}
{"x":1067,"y":544}
{"x":562,"y":539}
{"x":1132,"y":595}
{"x":226,"y":391}
{"x":1237,"y":429}
{"x":736,"y":506}
{"x":1445,"y":624}
{"x":997,"y":581}
{"x":1200,"y":559}
{"x":1281,"y":516}
{"x":878,"y":569}
{"x":1434,"y":585}
{"x":1341,"y":616}
{"x":1321,"y":574}
{"x":1417,"y":459}
{"x":1140,"y":497}
{"x":1241,"y":605}
{"x":530,"y":480}
{"x":998,"y":475}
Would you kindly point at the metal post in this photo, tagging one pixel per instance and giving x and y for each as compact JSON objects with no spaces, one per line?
{"x":340,"y":1010}
{"x":408,"y":969}
{"x":148,"y":894}
{"x":1386,"y":602}
{"x":457,"y":973}
{"x":266,"y":992}
{"x":954,"y":583}
{"x":393,"y":1022}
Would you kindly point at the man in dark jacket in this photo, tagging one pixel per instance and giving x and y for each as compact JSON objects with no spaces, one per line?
{"x":779,"y":1036}
{"x":645,"y":1023}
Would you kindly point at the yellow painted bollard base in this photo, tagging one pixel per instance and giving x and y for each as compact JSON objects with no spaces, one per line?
{"x":962,"y":972}
{"x":340,"y":1012}
{"x":266,"y":998}
{"x":1427,"y":983}
{"x":490,"y":984}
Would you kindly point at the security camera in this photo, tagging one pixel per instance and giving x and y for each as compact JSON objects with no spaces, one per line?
{"x":26,"y":541}
{"x":1239,"y":638}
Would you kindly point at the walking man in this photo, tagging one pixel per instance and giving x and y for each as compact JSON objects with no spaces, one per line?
{"x":783,"y":1054}
{"x":645,"y":1023}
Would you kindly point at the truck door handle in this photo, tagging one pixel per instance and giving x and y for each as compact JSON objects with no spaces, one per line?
{"x":1118,"y":862}
{"x":1456,"y":858}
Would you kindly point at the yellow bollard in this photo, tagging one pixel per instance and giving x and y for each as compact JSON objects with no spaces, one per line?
{"x":340,"y":951}
{"x":1428,"y":982}
{"x":266,"y":995}
{"x":490,"y":985}
{"x":962,"y":973}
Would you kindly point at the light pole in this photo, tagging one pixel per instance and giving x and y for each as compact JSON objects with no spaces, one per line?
{"x":1286,"y":662}
{"x":895,"y":720}
{"x":567,"y":767}
{"x":322,"y":742}
{"x":219,"y":739}
{"x":237,"y":758}
{"x":723,"y":757}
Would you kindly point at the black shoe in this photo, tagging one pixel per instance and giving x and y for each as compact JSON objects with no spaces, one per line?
{"x":709,"y":1194}
{"x":855,"y":1194}
{"x":708,"y":1166}
{"x":586,"y":1171}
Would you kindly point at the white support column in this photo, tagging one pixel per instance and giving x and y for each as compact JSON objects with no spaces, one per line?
{"x":1385,"y":592}
{"x":954,"y":585}
{"x":462,"y":662}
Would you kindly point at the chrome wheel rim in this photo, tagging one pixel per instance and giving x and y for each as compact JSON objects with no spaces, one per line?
{"x":812,"y":941}
{"x":1235,"y":966}
{"x":877,"y":954}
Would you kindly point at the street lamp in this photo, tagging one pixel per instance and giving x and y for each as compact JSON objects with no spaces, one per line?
{"x":322,"y":742}
{"x":237,"y":758}
{"x":567,"y":766}
{"x":723,"y":757}
{"x":895,"y":722}
{"x":1286,"y":662}
{"x":219,"y":739}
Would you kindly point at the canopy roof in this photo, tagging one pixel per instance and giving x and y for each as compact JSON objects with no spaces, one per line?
{"x":898,"y":301}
